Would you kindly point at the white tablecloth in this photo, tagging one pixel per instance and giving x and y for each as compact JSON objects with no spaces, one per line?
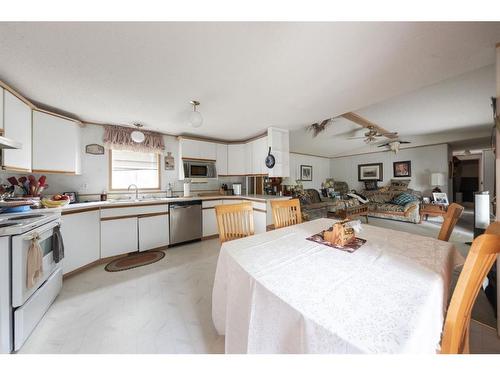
{"x":276,"y":292}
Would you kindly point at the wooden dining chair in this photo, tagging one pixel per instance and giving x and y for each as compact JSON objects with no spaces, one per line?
{"x":452,"y":215}
{"x":481,"y":257}
{"x":286,"y":213}
{"x":234,"y":221}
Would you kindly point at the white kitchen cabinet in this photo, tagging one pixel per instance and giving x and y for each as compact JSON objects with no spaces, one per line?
{"x":259,"y":221}
{"x":195,"y":149}
{"x":236,"y":159}
{"x":17,"y":126}
{"x":80,"y":232}
{"x":118,"y":236}
{"x":249,"y":158}
{"x":209,"y":222}
{"x":279,"y":141}
{"x":153,"y":232}
{"x":1,"y":107}
{"x":221,"y":159}
{"x":259,"y":153}
{"x":56,"y":144}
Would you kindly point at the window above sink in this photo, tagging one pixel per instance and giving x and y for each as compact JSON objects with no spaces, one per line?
{"x":132,"y":167}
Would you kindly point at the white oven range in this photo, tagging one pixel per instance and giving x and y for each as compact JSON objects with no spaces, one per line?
{"x":21,"y":308}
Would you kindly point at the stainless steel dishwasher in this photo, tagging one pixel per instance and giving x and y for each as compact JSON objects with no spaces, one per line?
{"x":185,"y":221}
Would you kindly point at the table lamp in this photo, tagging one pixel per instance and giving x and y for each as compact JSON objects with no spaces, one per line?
{"x":287,"y":181}
{"x":437,"y":180}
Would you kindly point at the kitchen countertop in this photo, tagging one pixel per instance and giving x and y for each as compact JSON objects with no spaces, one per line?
{"x":146,"y":201}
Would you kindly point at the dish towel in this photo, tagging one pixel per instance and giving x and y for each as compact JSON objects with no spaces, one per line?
{"x":34,"y":263}
{"x":57,"y":245}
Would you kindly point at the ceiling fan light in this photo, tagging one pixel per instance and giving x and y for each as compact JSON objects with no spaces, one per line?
{"x":137,"y":136}
{"x":195,"y":119}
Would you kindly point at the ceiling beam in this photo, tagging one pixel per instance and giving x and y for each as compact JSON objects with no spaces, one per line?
{"x":361,"y":121}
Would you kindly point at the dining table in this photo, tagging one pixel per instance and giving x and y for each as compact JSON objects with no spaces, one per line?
{"x":278,"y":292}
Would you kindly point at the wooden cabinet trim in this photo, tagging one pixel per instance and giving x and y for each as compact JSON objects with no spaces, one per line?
{"x":198,"y":159}
{"x":15,"y":169}
{"x":259,"y":210}
{"x":134,"y":205}
{"x":72,"y":173}
{"x":138,"y":216}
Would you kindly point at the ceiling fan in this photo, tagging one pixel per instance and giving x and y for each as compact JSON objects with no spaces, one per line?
{"x":394,"y":145}
{"x":372,"y":134}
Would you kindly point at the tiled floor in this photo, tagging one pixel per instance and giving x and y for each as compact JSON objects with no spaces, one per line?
{"x":165,"y":307}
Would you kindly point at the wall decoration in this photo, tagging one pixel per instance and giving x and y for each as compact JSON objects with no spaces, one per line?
{"x":169,"y":162}
{"x":94,"y":149}
{"x":402,"y":168}
{"x":371,"y":185}
{"x":441,"y":198}
{"x":373,"y":171}
{"x":306,"y":173}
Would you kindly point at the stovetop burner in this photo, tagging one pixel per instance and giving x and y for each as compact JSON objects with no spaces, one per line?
{"x":24,"y":217}
{"x":3,"y":225}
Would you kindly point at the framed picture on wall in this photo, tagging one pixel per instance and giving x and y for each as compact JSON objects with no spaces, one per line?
{"x":373,"y":171}
{"x":402,"y":168}
{"x":306,"y":173}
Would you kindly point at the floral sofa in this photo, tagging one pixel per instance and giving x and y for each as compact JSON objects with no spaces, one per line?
{"x":381,"y":204}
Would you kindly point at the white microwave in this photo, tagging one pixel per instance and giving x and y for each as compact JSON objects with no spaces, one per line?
{"x":199,"y":169}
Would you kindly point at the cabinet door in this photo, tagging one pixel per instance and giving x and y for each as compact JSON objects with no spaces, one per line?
{"x":260,"y":151}
{"x":236,"y":159}
{"x":278,"y":140}
{"x":221,"y":160}
{"x":209,"y":222}
{"x":56,"y":144}
{"x":249,"y":158}
{"x":17,"y":126}
{"x":259,"y":221}
{"x":153,"y":232}
{"x":118,"y":236}
{"x":80,"y":233}
{"x":198,"y":149}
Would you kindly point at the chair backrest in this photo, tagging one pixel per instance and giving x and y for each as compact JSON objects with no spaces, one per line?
{"x":481,"y":257}
{"x":286,"y":212}
{"x":452,"y":215}
{"x":234,"y":221}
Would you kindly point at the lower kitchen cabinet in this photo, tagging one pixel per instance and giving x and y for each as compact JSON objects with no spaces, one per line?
{"x":209,"y":222}
{"x":80,"y":233}
{"x":259,"y":221}
{"x":118,"y":236}
{"x":153,"y":232}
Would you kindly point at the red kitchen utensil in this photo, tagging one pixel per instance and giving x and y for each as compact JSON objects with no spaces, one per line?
{"x":13,"y":181}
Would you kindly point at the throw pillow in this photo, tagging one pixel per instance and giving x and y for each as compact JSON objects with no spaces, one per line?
{"x":403,"y":199}
{"x":399,"y":185}
{"x":359,"y":197}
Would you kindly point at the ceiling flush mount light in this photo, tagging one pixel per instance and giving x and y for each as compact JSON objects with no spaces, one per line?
{"x":195,"y":119}
{"x":137,"y":136}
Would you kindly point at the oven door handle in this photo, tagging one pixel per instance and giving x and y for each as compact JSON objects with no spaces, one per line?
{"x":37,"y":233}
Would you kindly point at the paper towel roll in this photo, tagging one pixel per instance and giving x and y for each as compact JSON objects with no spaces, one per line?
{"x":187,"y":189}
{"x":482,"y":210}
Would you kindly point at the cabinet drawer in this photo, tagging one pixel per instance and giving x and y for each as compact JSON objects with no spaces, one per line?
{"x":259,"y":205}
{"x":107,"y":212}
{"x":209,"y":204}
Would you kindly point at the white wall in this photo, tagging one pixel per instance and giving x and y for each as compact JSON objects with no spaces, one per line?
{"x":95,"y":170}
{"x":424,"y":161}
{"x":320,"y":169}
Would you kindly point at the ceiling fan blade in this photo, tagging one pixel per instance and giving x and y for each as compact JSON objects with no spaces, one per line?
{"x":324,"y":122}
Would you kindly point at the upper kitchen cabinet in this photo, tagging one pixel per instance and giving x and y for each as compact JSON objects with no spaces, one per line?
{"x":259,"y":153}
{"x":56,"y":144}
{"x":195,"y":149}
{"x":236,"y":159}
{"x":17,"y":126}
{"x":221,"y":159}
{"x":278,"y":140}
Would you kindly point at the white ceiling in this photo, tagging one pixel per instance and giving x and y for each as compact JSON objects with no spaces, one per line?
{"x":453,"y":110}
{"x":248,"y":76}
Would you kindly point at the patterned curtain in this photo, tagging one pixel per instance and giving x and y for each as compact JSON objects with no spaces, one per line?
{"x":118,"y":138}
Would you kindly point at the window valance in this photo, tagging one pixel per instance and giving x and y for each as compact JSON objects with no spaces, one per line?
{"x":118,"y":138}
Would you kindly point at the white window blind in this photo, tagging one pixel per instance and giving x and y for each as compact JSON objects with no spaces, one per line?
{"x":139,"y":168}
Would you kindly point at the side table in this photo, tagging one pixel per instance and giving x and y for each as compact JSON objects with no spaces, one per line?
{"x":430,"y":209}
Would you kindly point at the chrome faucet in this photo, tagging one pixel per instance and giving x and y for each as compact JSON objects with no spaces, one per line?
{"x":136,"y":191}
